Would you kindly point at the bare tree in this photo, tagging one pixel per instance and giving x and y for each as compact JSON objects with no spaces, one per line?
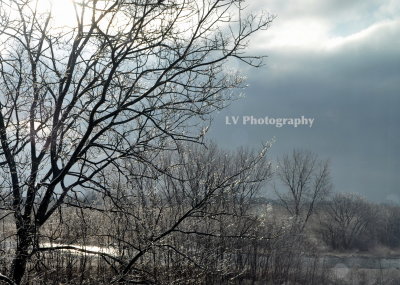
{"x":387,"y":227}
{"x":345,"y":220}
{"x":126,"y":79}
{"x":307,"y":180}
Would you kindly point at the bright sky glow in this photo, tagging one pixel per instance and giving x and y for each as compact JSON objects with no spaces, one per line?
{"x":62,"y":11}
{"x":324,"y":26}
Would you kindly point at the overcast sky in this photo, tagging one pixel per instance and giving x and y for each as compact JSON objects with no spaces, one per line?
{"x":337,"y":61}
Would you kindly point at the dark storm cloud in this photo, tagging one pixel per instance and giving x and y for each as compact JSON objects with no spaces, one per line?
{"x":350,"y":85}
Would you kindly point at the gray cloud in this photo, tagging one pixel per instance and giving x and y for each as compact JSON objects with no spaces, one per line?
{"x":352,"y":90}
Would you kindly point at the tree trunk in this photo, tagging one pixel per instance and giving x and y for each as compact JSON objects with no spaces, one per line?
{"x":21,"y":254}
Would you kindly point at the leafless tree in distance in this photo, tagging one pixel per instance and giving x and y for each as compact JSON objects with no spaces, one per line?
{"x":307,"y":182}
{"x":346,"y":219}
